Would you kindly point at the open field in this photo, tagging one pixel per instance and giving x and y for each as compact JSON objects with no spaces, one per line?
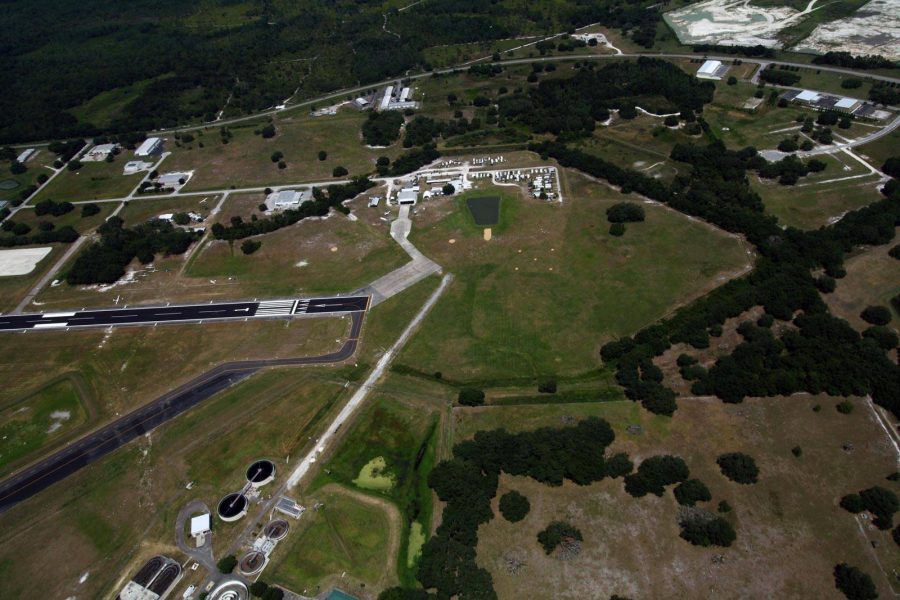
{"x":881,"y":149}
{"x":28,"y":424}
{"x":246,"y":160}
{"x":820,"y":198}
{"x":94,"y":180}
{"x":72,"y":218}
{"x":333,"y":254}
{"x":788,"y":525}
{"x":388,"y":452}
{"x":120,"y":510}
{"x":120,"y":369}
{"x":346,"y":542}
{"x":552,"y":285}
{"x":873,"y":278}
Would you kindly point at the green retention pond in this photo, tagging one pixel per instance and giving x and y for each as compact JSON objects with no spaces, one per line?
{"x":485,"y":209}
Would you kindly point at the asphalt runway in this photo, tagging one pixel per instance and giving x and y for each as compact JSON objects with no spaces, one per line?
{"x":185,"y":313}
{"x":82,"y":452}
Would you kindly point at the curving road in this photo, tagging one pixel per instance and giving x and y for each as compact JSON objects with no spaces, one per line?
{"x":92,"y":447}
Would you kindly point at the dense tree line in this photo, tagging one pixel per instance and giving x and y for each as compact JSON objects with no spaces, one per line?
{"x":323,"y":201}
{"x":413,"y":160}
{"x":778,"y":77}
{"x":881,"y":502}
{"x":63,"y":235}
{"x":757,"y":51}
{"x":575,"y":104}
{"x":847,"y":60}
{"x":382,"y":128}
{"x":854,"y":583}
{"x":105,"y":261}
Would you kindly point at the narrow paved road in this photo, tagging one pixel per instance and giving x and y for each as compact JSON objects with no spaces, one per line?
{"x":90,"y":448}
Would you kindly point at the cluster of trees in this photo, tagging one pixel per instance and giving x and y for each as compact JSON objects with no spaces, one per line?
{"x":625,"y":212}
{"x":467,"y":482}
{"x":779,"y":77}
{"x":654,"y":474}
{"x":470,"y":397}
{"x":790,"y":169}
{"x":54,"y":209}
{"x":382,"y":128}
{"x":706,"y":530}
{"x":20,"y":237}
{"x":691,"y":491}
{"x":410,"y":161}
{"x":573,"y":105}
{"x":738,"y":467}
{"x":105,"y":261}
{"x":557,"y":533}
{"x":880,"y":502}
{"x":333,"y":197}
{"x":885,"y":93}
{"x":845,"y":59}
{"x":854,"y":583}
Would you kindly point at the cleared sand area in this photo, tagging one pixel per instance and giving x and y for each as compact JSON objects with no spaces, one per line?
{"x":733,"y":22}
{"x":21,"y":261}
{"x":873,"y":29}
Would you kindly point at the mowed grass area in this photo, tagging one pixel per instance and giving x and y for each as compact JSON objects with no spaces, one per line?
{"x":788,"y":525}
{"x":121,"y":510}
{"x":246,"y":160}
{"x":333,"y":254}
{"x":35,"y":420}
{"x":125,"y":368}
{"x":346,"y":542}
{"x":388,"y":452}
{"x":552,"y":286}
{"x":873,"y":278}
{"x":881,"y":149}
{"x":93,"y":181}
{"x":72,"y":218}
{"x":819,"y":198}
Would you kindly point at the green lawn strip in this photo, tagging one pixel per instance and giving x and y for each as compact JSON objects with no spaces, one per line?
{"x":29,"y":425}
{"x":93,"y":181}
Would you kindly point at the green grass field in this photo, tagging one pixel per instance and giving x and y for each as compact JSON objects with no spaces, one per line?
{"x":93,"y":181}
{"x":881,"y":149}
{"x":246,"y":160}
{"x":37,"y":419}
{"x":345,"y":536}
{"x":820,"y":197}
{"x":552,"y":285}
{"x":388,"y":452}
{"x":36,"y":165}
{"x":72,"y":218}
{"x":313,"y":256}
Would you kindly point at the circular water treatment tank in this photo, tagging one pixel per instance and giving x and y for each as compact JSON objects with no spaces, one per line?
{"x":277,"y":529}
{"x":233,"y":506}
{"x":261,"y":472}
{"x":252,"y":562}
{"x":230,"y":590}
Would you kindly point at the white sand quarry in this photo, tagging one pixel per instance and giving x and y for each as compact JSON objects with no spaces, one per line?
{"x":873,"y":29}
{"x":734,"y":22}
{"x":21,"y":261}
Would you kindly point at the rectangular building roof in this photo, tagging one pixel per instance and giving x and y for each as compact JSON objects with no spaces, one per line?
{"x":26,"y":154}
{"x":846,"y":103}
{"x":200,"y":524}
{"x":148,"y":146}
{"x":807,"y":96}
{"x":710,"y":67}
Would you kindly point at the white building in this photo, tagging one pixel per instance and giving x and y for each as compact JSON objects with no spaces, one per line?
{"x":99,"y":152}
{"x":408,"y":196}
{"x":136,"y":166}
{"x":149,"y":146}
{"x":173,"y":179}
{"x":287,"y":199}
{"x":386,"y":99}
{"x":200,"y":527}
{"x":26,"y":154}
{"x":712,"y":69}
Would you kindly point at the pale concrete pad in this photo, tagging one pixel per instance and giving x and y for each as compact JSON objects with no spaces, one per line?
{"x":21,"y":261}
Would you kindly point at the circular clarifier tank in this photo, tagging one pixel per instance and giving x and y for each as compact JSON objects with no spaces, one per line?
{"x":260,"y":473}
{"x":233,"y":506}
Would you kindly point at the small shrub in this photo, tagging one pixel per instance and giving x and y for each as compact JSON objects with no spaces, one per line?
{"x":876,"y":315}
{"x":470,"y":397}
{"x":89,"y":210}
{"x":339,"y":171}
{"x":724,"y":507}
{"x":227,"y":564}
{"x":250,"y":246}
{"x":713,"y":532}
{"x":689,"y":492}
{"x":797,"y":451}
{"x":556,"y":533}
{"x":547,"y":386}
{"x":617,"y":229}
{"x":514,"y":506}
{"x":852,"y":503}
{"x":322,"y":155}
{"x":845,"y":407}
{"x":738,"y":467}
